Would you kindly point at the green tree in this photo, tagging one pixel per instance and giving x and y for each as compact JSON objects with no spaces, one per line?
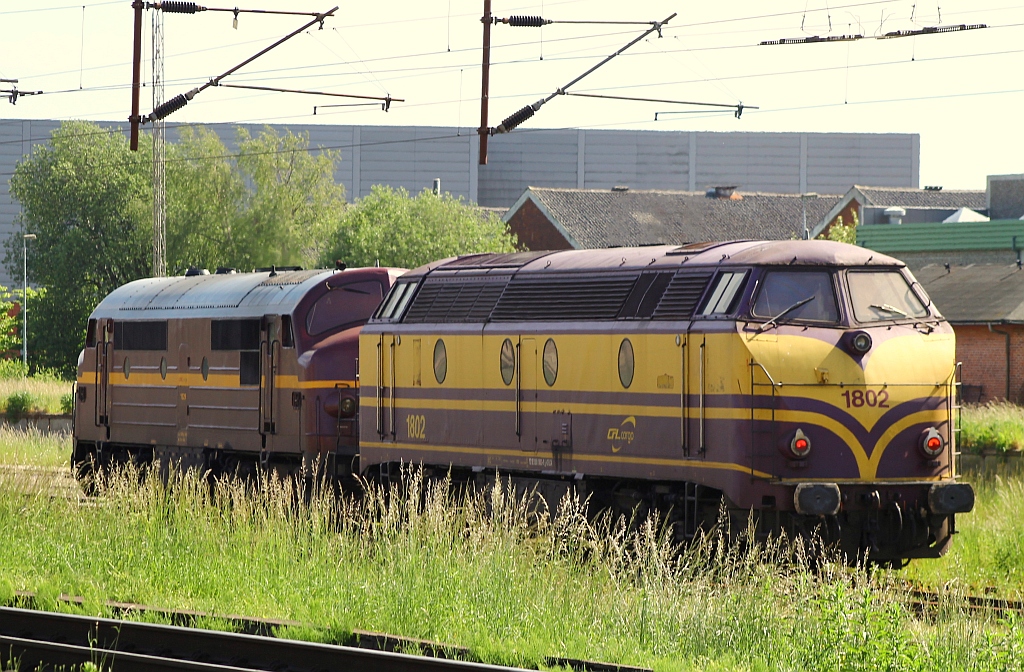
{"x":275,"y":203}
{"x":205,"y":193}
{"x":843,"y":233}
{"x":391,"y":228}
{"x":294,"y":204}
{"x":87,"y":199}
{"x":12,"y":321}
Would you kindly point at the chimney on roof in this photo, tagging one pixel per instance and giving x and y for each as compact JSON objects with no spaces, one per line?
{"x":724,"y":192}
{"x":895,"y":214}
{"x":620,"y":187}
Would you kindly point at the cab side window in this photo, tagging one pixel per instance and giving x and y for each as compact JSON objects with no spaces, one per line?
{"x":728,"y":288}
{"x":345,"y":305}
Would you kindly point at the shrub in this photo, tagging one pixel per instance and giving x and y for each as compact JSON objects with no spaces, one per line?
{"x":997,"y":425}
{"x":12,"y":368}
{"x":18,"y":406}
{"x":67,"y":403}
{"x":48,"y":374}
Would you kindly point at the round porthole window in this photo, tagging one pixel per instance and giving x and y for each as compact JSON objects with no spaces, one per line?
{"x":507,"y":361}
{"x":550,"y":363}
{"x":205,"y":368}
{"x":440,"y":361}
{"x":127,"y":367}
{"x":626,"y":363}
{"x":163,"y":368}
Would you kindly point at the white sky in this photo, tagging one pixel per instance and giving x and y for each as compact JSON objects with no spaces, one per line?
{"x":963,"y":92}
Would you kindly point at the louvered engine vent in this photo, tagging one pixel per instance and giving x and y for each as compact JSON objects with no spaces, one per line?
{"x":680,"y":299}
{"x":445,"y":300}
{"x":559,"y":298}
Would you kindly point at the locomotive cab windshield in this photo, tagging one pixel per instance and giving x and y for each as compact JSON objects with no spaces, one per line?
{"x":797,"y":296}
{"x":878,"y":296}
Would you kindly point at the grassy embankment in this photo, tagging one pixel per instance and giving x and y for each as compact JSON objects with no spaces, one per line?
{"x":476,"y":573}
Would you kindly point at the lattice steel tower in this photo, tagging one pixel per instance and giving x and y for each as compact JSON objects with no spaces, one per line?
{"x":159,"y":191}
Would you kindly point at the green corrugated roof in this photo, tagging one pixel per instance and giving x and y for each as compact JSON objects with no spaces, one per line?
{"x":939,"y":236}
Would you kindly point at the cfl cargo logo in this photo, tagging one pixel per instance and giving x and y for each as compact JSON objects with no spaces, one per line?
{"x":622,"y":435}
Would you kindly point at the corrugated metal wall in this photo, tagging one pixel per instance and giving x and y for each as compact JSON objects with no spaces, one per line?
{"x":1006,"y":234}
{"x":413,"y":156}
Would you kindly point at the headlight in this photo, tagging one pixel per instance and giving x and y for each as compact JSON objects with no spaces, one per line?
{"x":348,"y":407}
{"x":859,"y":342}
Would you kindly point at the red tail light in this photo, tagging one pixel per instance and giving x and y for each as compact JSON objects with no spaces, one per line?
{"x":932,"y":443}
{"x":800,"y":445}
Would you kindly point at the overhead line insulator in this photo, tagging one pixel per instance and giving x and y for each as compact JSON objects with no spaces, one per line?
{"x":525,"y":21}
{"x":172,"y":105}
{"x":515,"y":119}
{"x":812,"y":39}
{"x":178,"y":7}
{"x":934,"y":30}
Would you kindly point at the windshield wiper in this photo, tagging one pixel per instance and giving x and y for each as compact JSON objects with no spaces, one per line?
{"x":787,"y":311}
{"x":889,"y":309}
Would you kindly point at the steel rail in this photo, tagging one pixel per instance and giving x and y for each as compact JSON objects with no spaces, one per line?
{"x":361,"y":639}
{"x":41,"y":654}
{"x":930,"y":601}
{"x":51,"y":638}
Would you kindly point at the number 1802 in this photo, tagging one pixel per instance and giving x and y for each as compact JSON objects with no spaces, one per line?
{"x":860,"y":398}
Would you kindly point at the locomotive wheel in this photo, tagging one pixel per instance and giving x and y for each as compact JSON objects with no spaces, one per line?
{"x":86,"y":468}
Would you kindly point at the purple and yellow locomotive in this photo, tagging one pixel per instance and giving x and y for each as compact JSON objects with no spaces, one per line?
{"x":811,"y":382}
{"x":225,"y":372}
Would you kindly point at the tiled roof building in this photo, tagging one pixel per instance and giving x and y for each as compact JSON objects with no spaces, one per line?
{"x":985,"y":305}
{"x":594,"y":218}
{"x":923,"y":198}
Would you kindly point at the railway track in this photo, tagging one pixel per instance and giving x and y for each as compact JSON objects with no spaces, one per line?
{"x":34,"y":639}
{"x":54,"y":482}
{"x":927,"y":602}
{"x":45,"y":637}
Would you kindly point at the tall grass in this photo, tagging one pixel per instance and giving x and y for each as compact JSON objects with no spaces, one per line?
{"x":988,"y":552}
{"x":32,"y":448}
{"x":480,"y":571}
{"x":997,"y":425}
{"x":45,"y":393}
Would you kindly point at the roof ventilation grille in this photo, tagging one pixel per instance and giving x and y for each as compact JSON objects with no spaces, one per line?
{"x":456,"y":300}
{"x":564,"y":298}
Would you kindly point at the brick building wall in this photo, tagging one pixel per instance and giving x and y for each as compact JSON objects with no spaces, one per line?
{"x":534,"y":230}
{"x":983,"y":354}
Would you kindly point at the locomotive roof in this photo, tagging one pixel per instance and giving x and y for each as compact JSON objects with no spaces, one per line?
{"x":223,"y":295}
{"x":743,"y":252}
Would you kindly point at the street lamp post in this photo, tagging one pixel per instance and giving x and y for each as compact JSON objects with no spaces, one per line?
{"x":24,"y":296}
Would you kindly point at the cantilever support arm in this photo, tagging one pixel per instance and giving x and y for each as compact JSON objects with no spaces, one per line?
{"x":522,"y":115}
{"x":179,"y":101}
